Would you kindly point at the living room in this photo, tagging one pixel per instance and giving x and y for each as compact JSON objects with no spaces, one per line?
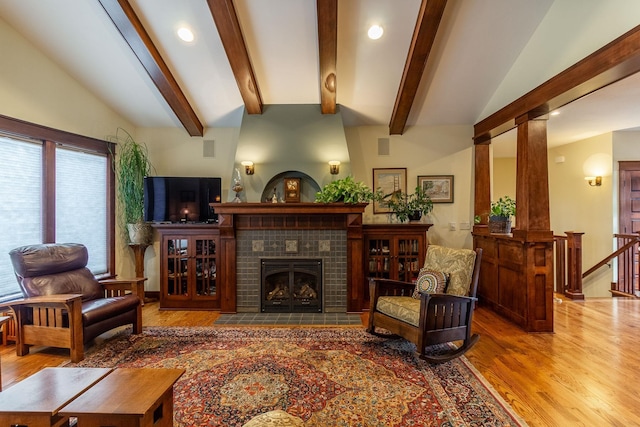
{"x":49,"y":95}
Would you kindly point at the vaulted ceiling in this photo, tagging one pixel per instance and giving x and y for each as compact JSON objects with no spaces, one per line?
{"x":438,"y":62}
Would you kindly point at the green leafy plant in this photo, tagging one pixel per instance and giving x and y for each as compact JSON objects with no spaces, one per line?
{"x":347,"y":190}
{"x":131,"y":165}
{"x":503,"y":207}
{"x":405,"y":206}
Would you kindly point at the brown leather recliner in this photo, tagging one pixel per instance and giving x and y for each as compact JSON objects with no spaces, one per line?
{"x":64,"y":305}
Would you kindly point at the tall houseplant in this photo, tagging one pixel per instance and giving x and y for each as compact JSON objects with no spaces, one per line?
{"x":131,"y":166}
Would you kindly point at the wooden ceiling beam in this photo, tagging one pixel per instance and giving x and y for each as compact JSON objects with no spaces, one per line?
{"x":226,"y":20}
{"x":327,"y":53}
{"x":614,"y":61}
{"x":424,"y":35}
{"x":132,"y":30}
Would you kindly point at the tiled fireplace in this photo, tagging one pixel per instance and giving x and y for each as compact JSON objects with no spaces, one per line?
{"x":254,"y":232}
{"x":256,"y":246}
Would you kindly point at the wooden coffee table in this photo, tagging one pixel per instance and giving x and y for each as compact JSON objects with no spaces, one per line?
{"x":37,"y":400}
{"x":127,"y":397}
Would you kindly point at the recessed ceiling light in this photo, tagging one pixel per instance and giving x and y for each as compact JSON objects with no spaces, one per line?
{"x":186,"y":34}
{"x":555,"y":113}
{"x":375,"y":32}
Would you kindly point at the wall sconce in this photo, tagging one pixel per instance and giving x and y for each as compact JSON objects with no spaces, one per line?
{"x":334,"y":167}
{"x":594,"y":181}
{"x":248,"y":167}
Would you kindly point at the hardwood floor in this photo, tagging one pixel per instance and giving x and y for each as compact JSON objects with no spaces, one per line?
{"x":584,"y":374}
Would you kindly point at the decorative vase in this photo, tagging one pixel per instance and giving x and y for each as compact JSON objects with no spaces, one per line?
{"x":140,"y":234}
{"x":499,"y":224}
{"x":237,"y":186}
{"x":415,"y":216}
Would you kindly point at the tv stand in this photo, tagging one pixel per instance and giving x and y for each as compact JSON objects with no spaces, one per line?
{"x":190,"y":271}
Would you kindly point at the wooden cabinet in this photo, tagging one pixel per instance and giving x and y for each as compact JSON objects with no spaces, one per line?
{"x":394,"y":251}
{"x":189,"y":275}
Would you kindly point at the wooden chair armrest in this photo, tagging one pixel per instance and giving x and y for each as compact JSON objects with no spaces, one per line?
{"x":444,"y":298}
{"x":44,"y":299}
{"x":128,"y":283}
{"x":117,"y":286}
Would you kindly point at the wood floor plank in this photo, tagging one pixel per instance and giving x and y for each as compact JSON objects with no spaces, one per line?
{"x":586,"y":373}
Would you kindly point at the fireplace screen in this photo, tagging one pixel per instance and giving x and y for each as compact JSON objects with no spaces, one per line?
{"x":291,"y":286}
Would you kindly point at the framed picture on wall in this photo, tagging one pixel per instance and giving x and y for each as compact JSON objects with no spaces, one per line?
{"x":391,"y":182}
{"x":438,"y":187}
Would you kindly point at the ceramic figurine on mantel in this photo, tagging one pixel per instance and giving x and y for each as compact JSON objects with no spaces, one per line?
{"x":237,"y":186}
{"x":274,"y":198}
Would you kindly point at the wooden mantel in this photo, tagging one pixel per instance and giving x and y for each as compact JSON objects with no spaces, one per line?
{"x":289,"y":208}
{"x":278,"y":216}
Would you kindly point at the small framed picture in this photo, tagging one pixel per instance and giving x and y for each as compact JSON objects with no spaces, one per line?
{"x":291,"y":190}
{"x":391,"y":182}
{"x":438,"y":187}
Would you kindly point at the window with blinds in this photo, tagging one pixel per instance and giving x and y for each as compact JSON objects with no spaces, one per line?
{"x":81,"y":204}
{"x":82,"y":213}
{"x":20,"y":205}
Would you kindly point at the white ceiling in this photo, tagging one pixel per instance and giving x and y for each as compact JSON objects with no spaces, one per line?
{"x":477,"y":44}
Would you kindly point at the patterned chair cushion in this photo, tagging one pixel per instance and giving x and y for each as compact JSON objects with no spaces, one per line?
{"x":430,"y":282}
{"x":406,"y":309}
{"x":458,"y":263}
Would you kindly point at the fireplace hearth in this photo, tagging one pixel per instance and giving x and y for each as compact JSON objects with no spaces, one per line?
{"x":291,"y":285}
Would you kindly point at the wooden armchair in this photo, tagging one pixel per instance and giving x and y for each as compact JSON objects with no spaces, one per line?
{"x":64,"y":305}
{"x":432,"y":318}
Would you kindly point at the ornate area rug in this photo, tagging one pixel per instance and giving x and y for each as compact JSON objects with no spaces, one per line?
{"x":325,"y":376}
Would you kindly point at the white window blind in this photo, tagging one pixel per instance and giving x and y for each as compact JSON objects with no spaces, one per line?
{"x":20,"y":205}
{"x":81,"y":203}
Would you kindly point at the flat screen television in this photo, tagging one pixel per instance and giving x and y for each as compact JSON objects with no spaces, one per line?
{"x":181,"y":199}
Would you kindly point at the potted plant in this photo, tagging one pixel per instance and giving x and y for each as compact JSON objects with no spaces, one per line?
{"x":346,"y":190}
{"x":410,"y":206}
{"x":500,"y":215}
{"x":131,"y":165}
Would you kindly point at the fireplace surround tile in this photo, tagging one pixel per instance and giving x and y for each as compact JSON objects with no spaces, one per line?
{"x":334,"y":263}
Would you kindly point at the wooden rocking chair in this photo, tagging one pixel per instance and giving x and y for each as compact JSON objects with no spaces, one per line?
{"x":434,"y":318}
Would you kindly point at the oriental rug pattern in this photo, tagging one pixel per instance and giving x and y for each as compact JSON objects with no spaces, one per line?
{"x":326,"y":376}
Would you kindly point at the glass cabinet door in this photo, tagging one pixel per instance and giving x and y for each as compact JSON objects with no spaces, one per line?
{"x":408,"y":260}
{"x":380,"y":258}
{"x":177,"y":267}
{"x":205,"y":267}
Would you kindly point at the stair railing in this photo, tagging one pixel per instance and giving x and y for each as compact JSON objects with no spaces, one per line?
{"x":568,"y":261}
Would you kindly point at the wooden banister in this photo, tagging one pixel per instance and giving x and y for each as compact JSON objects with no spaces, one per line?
{"x":568,"y":264}
{"x":607,"y":259}
{"x":627,"y":281}
{"x":561,"y":263}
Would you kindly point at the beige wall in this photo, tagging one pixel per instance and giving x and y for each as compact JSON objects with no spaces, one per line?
{"x":576,"y":206}
{"x":434,"y":150}
{"x":34,"y":89}
{"x":504,"y":178}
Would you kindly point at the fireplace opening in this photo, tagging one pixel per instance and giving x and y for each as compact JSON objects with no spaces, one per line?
{"x":291,"y":286}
